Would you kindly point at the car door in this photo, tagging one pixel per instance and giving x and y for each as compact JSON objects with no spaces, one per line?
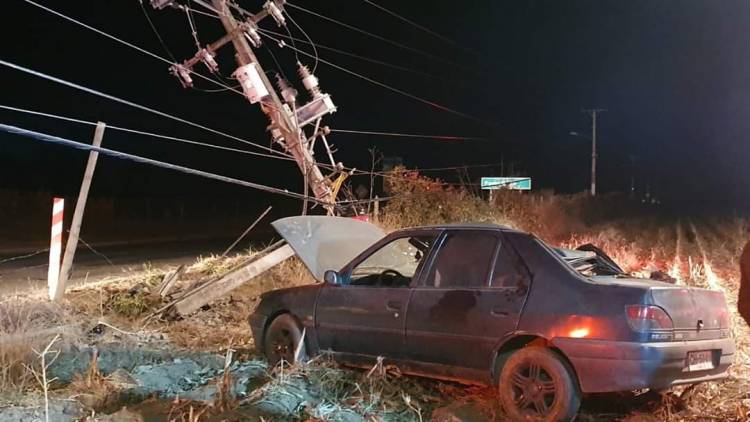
{"x":471,"y":296}
{"x":365,"y":313}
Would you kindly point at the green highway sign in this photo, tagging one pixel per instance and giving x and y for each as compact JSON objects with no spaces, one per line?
{"x":515,"y":183}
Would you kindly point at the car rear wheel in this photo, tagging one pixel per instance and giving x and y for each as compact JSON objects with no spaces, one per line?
{"x":282,"y":340}
{"x":537,"y":385}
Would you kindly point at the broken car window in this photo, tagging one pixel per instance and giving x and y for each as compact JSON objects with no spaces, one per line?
{"x":507,"y":271}
{"x":393,"y":265}
{"x":463,"y":260}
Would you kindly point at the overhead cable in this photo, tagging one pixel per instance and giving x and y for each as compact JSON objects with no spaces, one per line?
{"x":143,"y":160}
{"x":381,"y":38}
{"x":139,"y":132}
{"x":390,"y":88}
{"x":132,"y":104}
{"x":421,"y":27}
{"x":156,"y":31}
{"x":357,"y":56}
{"x":413,"y":135}
{"x":126,"y":43}
{"x":309,"y":40}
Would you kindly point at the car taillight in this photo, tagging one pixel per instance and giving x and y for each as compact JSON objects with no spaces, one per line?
{"x":645,"y":318}
{"x":725,"y":323}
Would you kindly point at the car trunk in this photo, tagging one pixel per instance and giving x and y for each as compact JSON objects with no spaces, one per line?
{"x":697,"y":314}
{"x":686,"y":306}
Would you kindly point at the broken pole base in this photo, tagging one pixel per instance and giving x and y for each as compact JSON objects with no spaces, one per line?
{"x":218,"y":288}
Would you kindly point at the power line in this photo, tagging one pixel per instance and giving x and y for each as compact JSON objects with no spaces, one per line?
{"x":357,"y":56}
{"x":310,"y":41}
{"x":132,"y":104}
{"x":413,"y":135}
{"x":139,"y":132}
{"x":420,"y":27}
{"x":126,"y":43}
{"x":193,"y":29}
{"x":459,"y":167}
{"x":143,"y":160}
{"x":156,"y":31}
{"x":390,"y":88}
{"x":200,"y":12}
{"x":381,"y":38}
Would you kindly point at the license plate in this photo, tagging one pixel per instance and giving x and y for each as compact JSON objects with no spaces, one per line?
{"x":700,"y":361}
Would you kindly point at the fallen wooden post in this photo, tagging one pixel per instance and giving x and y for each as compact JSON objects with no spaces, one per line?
{"x":169,"y":281}
{"x":208,"y":292}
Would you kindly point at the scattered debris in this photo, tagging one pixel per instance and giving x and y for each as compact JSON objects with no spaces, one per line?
{"x":195,"y":299}
{"x":169,"y":281}
{"x":58,"y":411}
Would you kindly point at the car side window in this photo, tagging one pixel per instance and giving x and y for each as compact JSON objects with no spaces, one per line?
{"x":508,"y":270}
{"x":394,"y":264}
{"x":463,"y":260}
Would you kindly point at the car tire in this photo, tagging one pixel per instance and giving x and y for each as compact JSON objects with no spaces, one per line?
{"x":536,"y":384}
{"x":281,"y":340}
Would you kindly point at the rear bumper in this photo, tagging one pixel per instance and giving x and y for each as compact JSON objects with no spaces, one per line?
{"x":607,"y":366}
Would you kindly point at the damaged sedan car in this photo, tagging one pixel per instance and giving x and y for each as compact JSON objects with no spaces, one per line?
{"x":491,"y":305}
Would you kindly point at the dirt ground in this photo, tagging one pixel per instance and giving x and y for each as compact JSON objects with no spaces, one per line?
{"x":205,"y":366}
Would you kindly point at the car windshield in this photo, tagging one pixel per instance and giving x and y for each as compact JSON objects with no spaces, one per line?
{"x":402,"y":255}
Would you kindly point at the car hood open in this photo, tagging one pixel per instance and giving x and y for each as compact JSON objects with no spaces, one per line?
{"x":327,"y":243}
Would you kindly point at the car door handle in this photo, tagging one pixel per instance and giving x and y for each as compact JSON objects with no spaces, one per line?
{"x":393,"y":305}
{"x":498,"y":312}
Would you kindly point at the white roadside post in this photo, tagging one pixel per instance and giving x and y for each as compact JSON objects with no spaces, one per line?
{"x":55,"y":247}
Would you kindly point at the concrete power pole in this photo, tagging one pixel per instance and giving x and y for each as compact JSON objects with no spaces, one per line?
{"x":287,"y":119}
{"x":273,"y":107}
{"x":593,"y":112}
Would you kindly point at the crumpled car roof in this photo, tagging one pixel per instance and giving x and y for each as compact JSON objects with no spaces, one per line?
{"x":572,"y":254}
{"x":327,"y":243}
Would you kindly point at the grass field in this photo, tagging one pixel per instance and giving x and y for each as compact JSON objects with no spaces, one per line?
{"x":695,"y":252}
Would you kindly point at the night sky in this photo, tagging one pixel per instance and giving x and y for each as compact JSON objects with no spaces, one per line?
{"x":674,"y":77}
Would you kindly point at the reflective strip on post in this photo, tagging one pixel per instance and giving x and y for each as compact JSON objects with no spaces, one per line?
{"x":55,"y":249}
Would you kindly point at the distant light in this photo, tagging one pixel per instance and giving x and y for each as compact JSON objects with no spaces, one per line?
{"x":572,"y":133}
{"x":579,"y":333}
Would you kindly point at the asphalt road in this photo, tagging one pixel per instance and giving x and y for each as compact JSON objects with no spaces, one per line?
{"x":31,"y":272}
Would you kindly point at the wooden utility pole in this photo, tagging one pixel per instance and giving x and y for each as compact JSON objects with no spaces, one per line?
{"x":273,"y":107}
{"x":75,"y":227}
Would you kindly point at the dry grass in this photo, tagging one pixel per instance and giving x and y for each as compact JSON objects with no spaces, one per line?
{"x":702,"y":254}
{"x":93,"y":389}
{"x":25,"y":325}
{"x":322,"y":390}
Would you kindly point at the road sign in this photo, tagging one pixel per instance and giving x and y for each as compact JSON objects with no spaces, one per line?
{"x":515,"y":183}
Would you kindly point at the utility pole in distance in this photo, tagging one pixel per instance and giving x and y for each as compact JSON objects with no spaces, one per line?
{"x":593,"y":112}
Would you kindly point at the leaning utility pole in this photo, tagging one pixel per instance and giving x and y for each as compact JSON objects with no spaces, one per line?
{"x":287,"y":120}
{"x":593,"y":113}
{"x":57,"y":293}
{"x":273,"y":107}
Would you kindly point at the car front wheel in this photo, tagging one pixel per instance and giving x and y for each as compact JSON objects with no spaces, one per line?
{"x":284,"y":341}
{"x":537,"y":385}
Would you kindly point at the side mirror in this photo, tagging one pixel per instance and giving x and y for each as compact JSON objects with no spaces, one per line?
{"x":332,"y":277}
